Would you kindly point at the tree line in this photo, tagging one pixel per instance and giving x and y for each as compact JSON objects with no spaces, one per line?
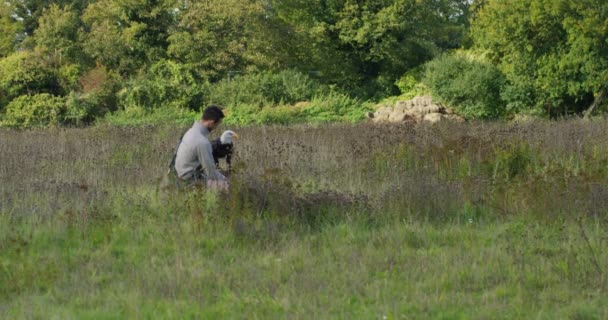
{"x":71,"y":62}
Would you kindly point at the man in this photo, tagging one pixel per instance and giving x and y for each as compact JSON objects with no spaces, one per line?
{"x":194,"y":161}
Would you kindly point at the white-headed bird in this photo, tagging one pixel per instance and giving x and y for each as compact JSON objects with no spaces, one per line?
{"x":222,"y":147}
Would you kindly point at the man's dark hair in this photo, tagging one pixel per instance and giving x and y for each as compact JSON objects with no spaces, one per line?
{"x":213,"y":113}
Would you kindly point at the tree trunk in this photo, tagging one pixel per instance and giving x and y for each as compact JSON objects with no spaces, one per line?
{"x":597,"y":102}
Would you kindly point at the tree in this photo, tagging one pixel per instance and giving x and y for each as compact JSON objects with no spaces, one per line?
{"x":587,"y":28}
{"x":10,"y":30}
{"x":30,"y":11}
{"x":125,"y":35}
{"x":219,"y":36}
{"x":373,"y":42}
{"x":57,"y":34}
{"x":554,"y":53}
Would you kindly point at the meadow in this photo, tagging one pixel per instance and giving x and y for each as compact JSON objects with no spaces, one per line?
{"x":476,"y":220}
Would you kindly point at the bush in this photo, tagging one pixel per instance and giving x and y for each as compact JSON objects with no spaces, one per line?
{"x":81,"y":109}
{"x":138,"y":116}
{"x":286,"y":87}
{"x":166,"y":84}
{"x":36,"y":110}
{"x":520,"y":98}
{"x":326,"y":108}
{"x":22,"y":74}
{"x":410,"y":85}
{"x":470,"y":86}
{"x":335,"y":107}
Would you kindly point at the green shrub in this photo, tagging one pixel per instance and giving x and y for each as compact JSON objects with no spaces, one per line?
{"x":520,"y":98}
{"x":335,"y":107}
{"x":265,"y":88}
{"x":22,"y":74}
{"x":242,"y":114}
{"x":68,"y":76}
{"x":36,"y":110}
{"x":166,"y":84}
{"x":278,"y":115}
{"x":470,"y":86}
{"x":138,"y":116}
{"x":326,"y":108}
{"x":407,"y":83}
{"x":410,"y":85}
{"x":81,"y":109}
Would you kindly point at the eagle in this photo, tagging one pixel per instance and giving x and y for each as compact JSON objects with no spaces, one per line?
{"x":223,"y":146}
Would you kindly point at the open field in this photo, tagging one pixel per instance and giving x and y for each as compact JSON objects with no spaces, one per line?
{"x":453,"y":221}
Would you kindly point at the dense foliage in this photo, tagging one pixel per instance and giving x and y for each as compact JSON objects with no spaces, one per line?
{"x":472,"y":87}
{"x":537,"y":56}
{"x":553,"y":52}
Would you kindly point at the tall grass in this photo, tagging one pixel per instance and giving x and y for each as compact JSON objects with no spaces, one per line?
{"x":475,"y":220}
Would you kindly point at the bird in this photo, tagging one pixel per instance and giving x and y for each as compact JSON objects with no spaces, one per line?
{"x":222,"y":147}
{"x":228,"y":136}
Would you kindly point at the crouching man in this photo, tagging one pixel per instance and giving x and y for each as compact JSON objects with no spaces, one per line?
{"x":194,"y":163}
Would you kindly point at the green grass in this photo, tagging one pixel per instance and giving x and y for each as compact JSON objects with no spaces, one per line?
{"x":148,"y":259}
{"x":332,"y":107}
{"x":136,"y":116}
{"x":466,"y":221}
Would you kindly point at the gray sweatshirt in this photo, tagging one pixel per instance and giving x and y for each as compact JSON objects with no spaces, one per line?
{"x":196,"y":150}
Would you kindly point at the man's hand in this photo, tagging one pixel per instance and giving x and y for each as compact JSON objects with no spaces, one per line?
{"x":219,"y":185}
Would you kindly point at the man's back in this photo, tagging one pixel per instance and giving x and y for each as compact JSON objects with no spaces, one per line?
{"x":194,"y":151}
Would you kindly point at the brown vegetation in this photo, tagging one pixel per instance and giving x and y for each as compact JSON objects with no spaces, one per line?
{"x":544,"y":168}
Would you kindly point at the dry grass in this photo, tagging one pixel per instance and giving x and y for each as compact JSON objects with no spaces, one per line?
{"x":475,"y":220}
{"x":539,"y":167}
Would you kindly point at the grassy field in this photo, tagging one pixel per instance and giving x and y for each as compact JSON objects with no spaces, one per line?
{"x":453,"y":221}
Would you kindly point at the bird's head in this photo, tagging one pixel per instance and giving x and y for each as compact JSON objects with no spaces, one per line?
{"x":228,"y":137}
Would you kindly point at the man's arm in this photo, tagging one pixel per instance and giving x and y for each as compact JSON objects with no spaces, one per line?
{"x":205,"y":156}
